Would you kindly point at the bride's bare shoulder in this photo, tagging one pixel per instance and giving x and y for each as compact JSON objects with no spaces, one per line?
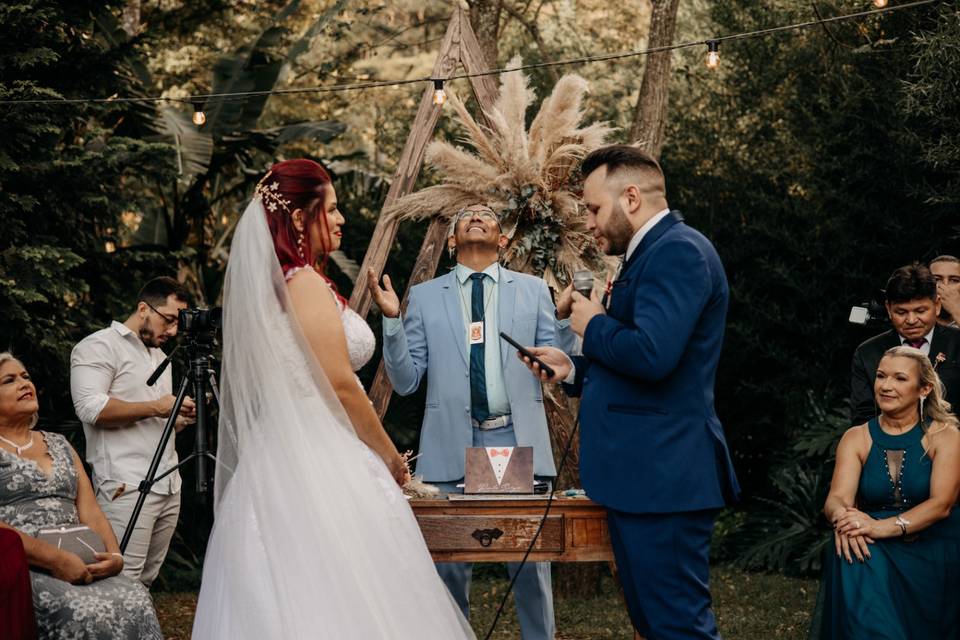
{"x":307,"y":284}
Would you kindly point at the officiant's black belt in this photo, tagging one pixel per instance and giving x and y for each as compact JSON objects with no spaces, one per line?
{"x":492,"y":423}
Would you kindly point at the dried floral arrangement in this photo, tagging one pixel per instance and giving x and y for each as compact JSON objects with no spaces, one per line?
{"x":530,"y":177}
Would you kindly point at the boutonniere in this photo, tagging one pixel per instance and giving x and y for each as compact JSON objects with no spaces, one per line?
{"x":941,"y":357}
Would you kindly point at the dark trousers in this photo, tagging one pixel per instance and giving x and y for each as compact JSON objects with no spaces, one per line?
{"x":663,"y":561}
{"x":17,"y":621}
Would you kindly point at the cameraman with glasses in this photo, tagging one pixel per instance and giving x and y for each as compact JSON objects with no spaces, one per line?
{"x":123,"y":420}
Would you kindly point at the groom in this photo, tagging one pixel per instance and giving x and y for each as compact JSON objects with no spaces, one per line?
{"x":477,"y":394}
{"x":652,"y":449}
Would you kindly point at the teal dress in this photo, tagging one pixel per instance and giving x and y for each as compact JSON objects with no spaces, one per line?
{"x":909,"y":589}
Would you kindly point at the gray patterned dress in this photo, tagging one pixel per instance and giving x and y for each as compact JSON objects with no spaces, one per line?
{"x":115,"y":607}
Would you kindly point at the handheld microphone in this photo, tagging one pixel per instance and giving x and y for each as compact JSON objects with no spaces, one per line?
{"x":583,"y":283}
{"x":160,"y":369}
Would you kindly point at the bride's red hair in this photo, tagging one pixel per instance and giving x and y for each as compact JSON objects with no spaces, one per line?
{"x":304,"y":184}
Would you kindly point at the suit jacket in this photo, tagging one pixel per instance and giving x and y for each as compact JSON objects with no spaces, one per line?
{"x":433,"y":343}
{"x":866,"y":358}
{"x":651,"y":441}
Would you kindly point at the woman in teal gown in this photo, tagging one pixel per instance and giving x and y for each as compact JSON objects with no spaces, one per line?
{"x":894,"y":573}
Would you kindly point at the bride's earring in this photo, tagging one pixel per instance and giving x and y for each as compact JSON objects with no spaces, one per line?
{"x":922,"y":398}
{"x":301,"y":238}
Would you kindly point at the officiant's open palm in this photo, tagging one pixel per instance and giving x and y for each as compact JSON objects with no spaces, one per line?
{"x":385,"y":297}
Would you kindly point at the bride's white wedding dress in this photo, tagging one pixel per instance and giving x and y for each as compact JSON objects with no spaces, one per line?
{"x":312,"y":537}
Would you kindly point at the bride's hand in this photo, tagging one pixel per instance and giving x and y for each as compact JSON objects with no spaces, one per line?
{"x":398,"y":469}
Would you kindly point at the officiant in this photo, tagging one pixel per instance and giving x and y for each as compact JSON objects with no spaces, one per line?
{"x":478,"y":393}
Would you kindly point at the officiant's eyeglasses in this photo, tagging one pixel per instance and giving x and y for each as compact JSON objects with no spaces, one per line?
{"x":486,"y":214}
{"x":168,"y":320}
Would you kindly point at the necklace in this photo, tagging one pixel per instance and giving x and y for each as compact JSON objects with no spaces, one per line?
{"x":19,"y":447}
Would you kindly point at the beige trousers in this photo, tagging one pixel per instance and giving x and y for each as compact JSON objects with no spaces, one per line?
{"x":152,"y":532}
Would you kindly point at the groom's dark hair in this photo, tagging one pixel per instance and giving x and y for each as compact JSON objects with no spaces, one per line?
{"x":620,"y":156}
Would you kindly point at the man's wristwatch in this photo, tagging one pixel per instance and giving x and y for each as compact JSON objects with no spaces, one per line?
{"x":903,"y":524}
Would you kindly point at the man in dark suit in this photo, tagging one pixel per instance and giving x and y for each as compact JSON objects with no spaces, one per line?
{"x":913,"y":306}
{"x":652,"y":449}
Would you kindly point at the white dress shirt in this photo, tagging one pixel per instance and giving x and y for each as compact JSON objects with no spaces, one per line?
{"x":644,"y":230}
{"x":114,"y":363}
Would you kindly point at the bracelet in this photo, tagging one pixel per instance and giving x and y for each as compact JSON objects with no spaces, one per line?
{"x":119,"y":555}
{"x":903,"y":524}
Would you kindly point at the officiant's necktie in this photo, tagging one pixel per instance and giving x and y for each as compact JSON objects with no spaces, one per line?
{"x":479,"y":409}
{"x":917,"y":344}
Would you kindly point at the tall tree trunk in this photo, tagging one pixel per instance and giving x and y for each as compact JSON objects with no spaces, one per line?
{"x":485,"y":20}
{"x":650,"y":116}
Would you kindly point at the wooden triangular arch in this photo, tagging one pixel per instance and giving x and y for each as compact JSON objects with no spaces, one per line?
{"x":459,"y":47}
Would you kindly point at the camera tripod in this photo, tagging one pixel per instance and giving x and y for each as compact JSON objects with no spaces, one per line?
{"x":199,"y":376}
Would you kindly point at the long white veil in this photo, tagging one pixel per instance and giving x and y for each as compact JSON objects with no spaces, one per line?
{"x":308,"y":541}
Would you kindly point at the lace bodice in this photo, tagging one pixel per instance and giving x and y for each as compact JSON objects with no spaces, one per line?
{"x":361,"y":343}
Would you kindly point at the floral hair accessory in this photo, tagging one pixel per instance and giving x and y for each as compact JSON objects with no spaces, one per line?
{"x":269,"y":195}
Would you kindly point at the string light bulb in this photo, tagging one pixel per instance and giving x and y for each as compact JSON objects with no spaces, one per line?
{"x":439,"y":95}
{"x":713,"y":54}
{"x":199,"y":117}
{"x":879,"y":4}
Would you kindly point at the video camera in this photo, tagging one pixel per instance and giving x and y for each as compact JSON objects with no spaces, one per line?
{"x":870,"y":314}
{"x":194,"y":322}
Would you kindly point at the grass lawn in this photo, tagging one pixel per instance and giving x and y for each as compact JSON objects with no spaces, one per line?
{"x":748,"y":605}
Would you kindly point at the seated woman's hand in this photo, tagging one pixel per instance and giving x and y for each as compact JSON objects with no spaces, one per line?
{"x":854,"y":522}
{"x":107,"y":565}
{"x":851,"y":547}
{"x":70,"y":568}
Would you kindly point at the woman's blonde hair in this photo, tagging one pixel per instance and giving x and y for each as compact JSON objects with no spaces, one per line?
{"x":935,"y":406}
{"x":5,"y":357}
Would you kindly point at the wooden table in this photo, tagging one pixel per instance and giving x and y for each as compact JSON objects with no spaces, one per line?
{"x":499,"y":529}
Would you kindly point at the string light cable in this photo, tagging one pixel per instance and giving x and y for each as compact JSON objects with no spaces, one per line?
{"x":207,"y":100}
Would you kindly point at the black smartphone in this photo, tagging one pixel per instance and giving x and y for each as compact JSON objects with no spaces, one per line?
{"x":523,"y":351}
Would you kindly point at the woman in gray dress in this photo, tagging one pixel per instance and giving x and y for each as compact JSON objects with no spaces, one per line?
{"x":42,"y":485}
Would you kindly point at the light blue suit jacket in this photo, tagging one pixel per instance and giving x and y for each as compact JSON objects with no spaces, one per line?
{"x":433,"y":343}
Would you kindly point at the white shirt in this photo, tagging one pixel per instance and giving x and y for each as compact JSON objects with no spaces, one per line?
{"x":925,"y":348}
{"x":644,"y":230}
{"x":114,"y":363}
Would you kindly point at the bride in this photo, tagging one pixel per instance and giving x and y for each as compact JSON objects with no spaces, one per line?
{"x":313,"y":537}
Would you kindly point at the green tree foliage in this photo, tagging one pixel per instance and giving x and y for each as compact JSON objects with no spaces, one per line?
{"x":802,"y":158}
{"x":931,"y":100}
{"x":62,"y":195}
{"x":796,"y":160}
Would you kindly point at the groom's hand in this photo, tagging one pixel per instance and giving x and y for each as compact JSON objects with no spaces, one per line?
{"x":583,"y":311}
{"x":385,"y":297}
{"x":553,"y":358}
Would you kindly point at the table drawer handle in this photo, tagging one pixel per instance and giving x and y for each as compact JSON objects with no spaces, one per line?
{"x":486,"y":536}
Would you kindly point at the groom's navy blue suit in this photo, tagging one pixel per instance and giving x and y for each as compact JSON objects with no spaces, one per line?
{"x":652,"y":449}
